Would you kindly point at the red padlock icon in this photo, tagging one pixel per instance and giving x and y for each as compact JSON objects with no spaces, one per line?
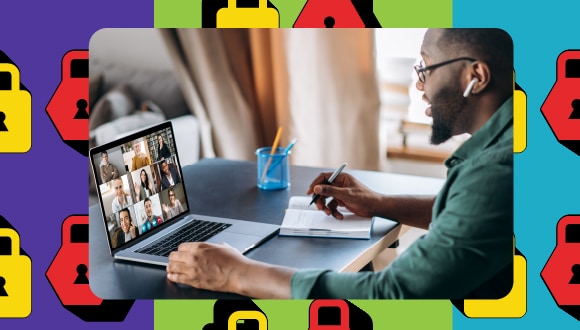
{"x":562,"y":270}
{"x":69,"y":106}
{"x":68,"y":274}
{"x":329,"y":14}
{"x":562,"y":105}
{"x":337,"y":314}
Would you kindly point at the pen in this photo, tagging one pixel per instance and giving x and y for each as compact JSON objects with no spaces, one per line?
{"x":272,"y":152}
{"x":330,"y":180}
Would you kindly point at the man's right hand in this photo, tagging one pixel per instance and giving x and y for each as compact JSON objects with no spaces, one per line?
{"x":345,"y":191}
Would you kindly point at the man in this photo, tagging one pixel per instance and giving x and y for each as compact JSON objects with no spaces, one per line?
{"x":151,"y":220}
{"x":140,"y":159}
{"x":128,"y":231}
{"x":121,"y":199}
{"x":174,"y":208}
{"x":169,"y":176}
{"x":108,"y":171}
{"x":467,"y":78}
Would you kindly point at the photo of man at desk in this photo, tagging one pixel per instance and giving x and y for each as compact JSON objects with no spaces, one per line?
{"x":467,"y":78}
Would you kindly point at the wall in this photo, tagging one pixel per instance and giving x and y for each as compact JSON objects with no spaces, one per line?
{"x":136,"y":48}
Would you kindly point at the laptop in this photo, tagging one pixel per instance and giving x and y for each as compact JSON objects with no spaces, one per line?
{"x":144,"y":202}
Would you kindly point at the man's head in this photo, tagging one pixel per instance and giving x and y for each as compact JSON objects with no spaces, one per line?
{"x":118,"y":186}
{"x":105,"y":157}
{"x":171,"y":196}
{"x":125,"y":217}
{"x":164,"y":167}
{"x":148,"y":207}
{"x":137,"y":147}
{"x":454,"y":60}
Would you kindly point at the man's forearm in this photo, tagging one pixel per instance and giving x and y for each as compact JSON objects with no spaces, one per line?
{"x":410,"y":210}
{"x":264,"y":281}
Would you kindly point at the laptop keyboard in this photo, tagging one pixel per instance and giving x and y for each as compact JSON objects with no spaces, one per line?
{"x":195,"y":231}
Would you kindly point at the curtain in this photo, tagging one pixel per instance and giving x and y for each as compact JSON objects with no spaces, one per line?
{"x":319,"y":85}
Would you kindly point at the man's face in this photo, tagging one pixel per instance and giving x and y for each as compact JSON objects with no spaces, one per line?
{"x":442,"y":90}
{"x":137,"y":147}
{"x":125,"y":221}
{"x":148,"y":209}
{"x":118,"y":185}
{"x":172,"y":197}
{"x":165,"y":168}
{"x":105,"y":158}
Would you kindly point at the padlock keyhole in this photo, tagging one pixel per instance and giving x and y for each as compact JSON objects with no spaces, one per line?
{"x":82,"y":112}
{"x":3,"y":292}
{"x":82,"y":274}
{"x":575,"y":109}
{"x":3,"y":127}
{"x":575,"y":274}
{"x":329,"y":22}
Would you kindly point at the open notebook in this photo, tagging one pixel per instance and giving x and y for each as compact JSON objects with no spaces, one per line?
{"x":303,"y":220}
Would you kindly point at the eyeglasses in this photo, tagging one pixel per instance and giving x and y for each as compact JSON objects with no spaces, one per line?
{"x":171,"y":195}
{"x":421,"y":68}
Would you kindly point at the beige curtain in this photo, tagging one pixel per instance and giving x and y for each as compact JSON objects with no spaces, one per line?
{"x":319,"y":85}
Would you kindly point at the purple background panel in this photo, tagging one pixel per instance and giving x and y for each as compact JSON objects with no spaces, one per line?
{"x":44,"y":186}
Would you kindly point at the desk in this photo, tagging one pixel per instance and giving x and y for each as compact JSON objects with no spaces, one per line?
{"x":225,"y":188}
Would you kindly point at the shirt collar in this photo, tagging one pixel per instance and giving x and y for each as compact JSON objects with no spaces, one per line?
{"x":496,"y":126}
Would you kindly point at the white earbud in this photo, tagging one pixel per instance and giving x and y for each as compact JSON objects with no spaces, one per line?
{"x":470,"y":87}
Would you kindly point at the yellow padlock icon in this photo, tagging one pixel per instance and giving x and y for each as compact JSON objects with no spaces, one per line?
{"x":15,"y":279}
{"x":247,"y":315}
{"x":513,"y":305}
{"x":15,"y":114}
{"x":234,"y":17}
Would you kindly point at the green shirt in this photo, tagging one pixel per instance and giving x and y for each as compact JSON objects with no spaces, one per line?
{"x":468,"y":251}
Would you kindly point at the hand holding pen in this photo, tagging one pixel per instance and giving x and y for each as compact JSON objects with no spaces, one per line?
{"x":329,"y":181}
{"x":345,"y":191}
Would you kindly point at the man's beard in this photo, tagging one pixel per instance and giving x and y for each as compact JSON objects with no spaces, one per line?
{"x":445,"y":110}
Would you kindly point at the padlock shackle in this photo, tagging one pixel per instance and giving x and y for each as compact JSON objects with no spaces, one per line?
{"x":75,"y":54}
{"x":69,"y":222}
{"x":14,"y":240}
{"x":563,"y":59}
{"x":248,"y":315}
{"x":319,"y":303}
{"x":14,"y":75}
{"x":234,"y":3}
{"x":561,"y":227}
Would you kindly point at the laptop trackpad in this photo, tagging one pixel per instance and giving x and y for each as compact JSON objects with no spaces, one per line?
{"x":238,"y":241}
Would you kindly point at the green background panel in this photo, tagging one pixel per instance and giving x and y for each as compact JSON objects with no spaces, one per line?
{"x":419,"y":13}
{"x":293,"y":314}
{"x":285,"y":314}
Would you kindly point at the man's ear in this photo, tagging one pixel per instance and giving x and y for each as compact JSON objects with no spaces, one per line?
{"x":480,"y":71}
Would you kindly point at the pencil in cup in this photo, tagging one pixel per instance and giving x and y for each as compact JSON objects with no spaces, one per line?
{"x":273,"y":169}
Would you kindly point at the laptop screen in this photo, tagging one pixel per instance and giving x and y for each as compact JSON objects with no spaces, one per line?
{"x":140,"y":184}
